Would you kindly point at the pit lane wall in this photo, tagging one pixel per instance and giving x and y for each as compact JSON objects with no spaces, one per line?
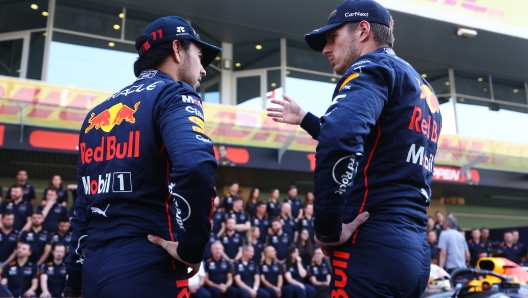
{"x":53,"y":112}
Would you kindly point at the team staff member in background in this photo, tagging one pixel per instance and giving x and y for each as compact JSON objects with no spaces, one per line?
{"x":319,"y":271}
{"x":294,"y":202}
{"x":20,"y":276}
{"x":242,"y":218}
{"x":218,"y":276}
{"x":295,"y":273}
{"x":39,"y":239}
{"x":8,"y":239}
{"x":247,"y":277}
{"x":20,"y":208}
{"x":232,"y":241}
{"x":53,"y":274}
{"x":28,"y":190}
{"x":287,"y":221}
{"x":272,"y":278}
{"x":375,"y":153}
{"x":146,"y":170}
{"x":261,"y":220}
{"x":279,"y":240}
{"x":273,"y":206}
{"x":227,"y":200}
{"x":62,"y":194}
{"x":52,"y":211}
{"x":63,"y":234}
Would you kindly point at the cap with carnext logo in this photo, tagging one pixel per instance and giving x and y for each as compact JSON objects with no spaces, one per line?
{"x":172,"y":28}
{"x":348,"y":11}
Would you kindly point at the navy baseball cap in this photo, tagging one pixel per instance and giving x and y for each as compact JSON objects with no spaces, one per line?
{"x":172,"y":28}
{"x":348,"y":11}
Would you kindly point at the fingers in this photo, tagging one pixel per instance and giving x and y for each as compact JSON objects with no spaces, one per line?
{"x":360,"y":219}
{"x":275,"y":115}
{"x":277,"y":101}
{"x":273,"y":109}
{"x":286,"y":97}
{"x":157,"y":240}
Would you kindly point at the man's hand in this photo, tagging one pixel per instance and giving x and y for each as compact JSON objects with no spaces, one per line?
{"x":252,"y":293}
{"x":290,"y":111}
{"x":193,"y":289}
{"x":45,"y":294}
{"x":30,"y":293}
{"x":278,"y":292}
{"x":346,"y":233}
{"x":171,"y":248}
{"x":223,"y":288}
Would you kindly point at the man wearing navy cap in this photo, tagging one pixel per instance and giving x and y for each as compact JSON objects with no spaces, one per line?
{"x":146,"y":175}
{"x":374,"y":158}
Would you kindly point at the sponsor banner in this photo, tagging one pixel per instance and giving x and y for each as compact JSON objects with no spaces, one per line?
{"x":55,"y":108}
{"x":504,"y":16}
{"x":456,"y":175}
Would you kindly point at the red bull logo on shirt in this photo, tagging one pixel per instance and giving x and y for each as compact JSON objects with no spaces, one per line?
{"x":115,"y":115}
{"x":429,"y":97}
{"x":421,"y":120}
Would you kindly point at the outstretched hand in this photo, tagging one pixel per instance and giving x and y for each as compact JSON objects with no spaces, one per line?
{"x":171,"y":248}
{"x":289,"y":111}
{"x":346,"y":232}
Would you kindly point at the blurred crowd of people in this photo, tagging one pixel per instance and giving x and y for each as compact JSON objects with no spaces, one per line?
{"x":450,"y":249}
{"x":262,"y":248}
{"x":34,"y":242}
{"x":257,"y":247}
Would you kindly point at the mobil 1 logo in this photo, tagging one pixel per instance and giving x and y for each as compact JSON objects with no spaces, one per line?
{"x":109,"y":182}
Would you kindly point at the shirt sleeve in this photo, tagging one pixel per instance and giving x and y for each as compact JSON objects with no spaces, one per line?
{"x":29,"y":210}
{"x":77,"y":244}
{"x":442,"y":241}
{"x":312,"y":125}
{"x":193,"y":165}
{"x":34,"y":272}
{"x":5,"y":271}
{"x":351,"y":116}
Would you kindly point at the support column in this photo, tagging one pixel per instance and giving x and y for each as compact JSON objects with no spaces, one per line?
{"x":47,"y":42}
{"x":453,"y":95}
{"x":283,"y":63}
{"x":227,"y":94}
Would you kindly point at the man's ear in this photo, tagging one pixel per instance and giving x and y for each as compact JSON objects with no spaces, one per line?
{"x":177,"y":50}
{"x":364,"y":27}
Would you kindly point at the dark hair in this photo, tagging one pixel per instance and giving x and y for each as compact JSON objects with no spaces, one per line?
{"x":289,"y":260}
{"x":51,"y":182}
{"x":28,"y":244}
{"x":156,"y":55}
{"x":259,"y":203}
{"x":308,"y":244}
{"x":55,"y":244}
{"x":52,"y":189}
{"x":383,"y":34}
{"x":38,"y":213}
{"x":64,"y":219}
{"x":16,"y":185}
{"x":249,"y":204}
{"x":6,"y":213}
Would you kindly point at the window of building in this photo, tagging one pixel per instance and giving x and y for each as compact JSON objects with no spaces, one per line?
{"x":300,"y":55}
{"x":255,"y":55}
{"x":474,"y":85}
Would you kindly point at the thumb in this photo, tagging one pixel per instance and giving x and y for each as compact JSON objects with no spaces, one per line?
{"x":286,"y":97}
{"x":156,"y":240}
{"x":360,"y":219}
